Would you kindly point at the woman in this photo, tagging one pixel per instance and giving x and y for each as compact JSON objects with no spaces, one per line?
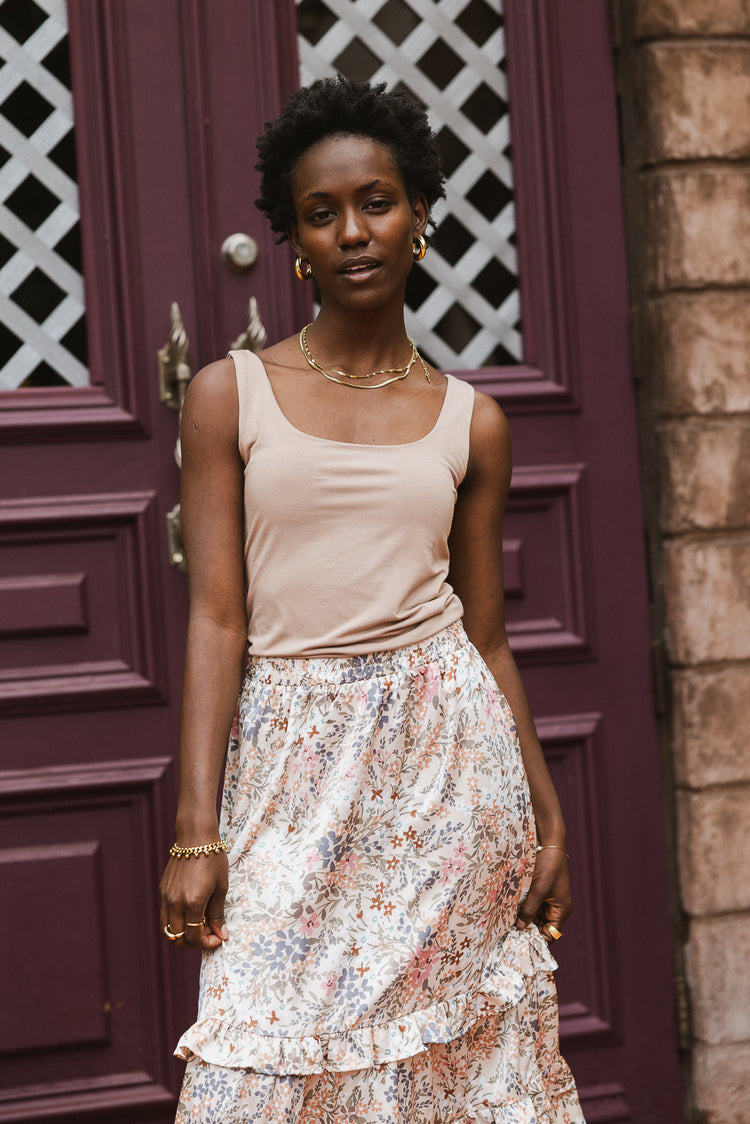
{"x":378,"y":957}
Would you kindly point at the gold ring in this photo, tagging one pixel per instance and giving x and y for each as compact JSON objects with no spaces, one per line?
{"x":196,"y":924}
{"x":549,"y":930}
{"x":170,"y":935}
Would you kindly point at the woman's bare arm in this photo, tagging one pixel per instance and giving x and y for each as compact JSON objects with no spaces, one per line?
{"x":211,"y":510}
{"x":476,"y":575}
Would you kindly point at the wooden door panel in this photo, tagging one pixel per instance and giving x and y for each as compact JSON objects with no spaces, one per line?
{"x":54,"y":1015}
{"x":86,"y":1026}
{"x":542,"y":558}
{"x":79,"y":595}
{"x":573,"y":746}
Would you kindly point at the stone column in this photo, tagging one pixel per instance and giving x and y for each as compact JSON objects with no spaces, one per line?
{"x":684,"y":68}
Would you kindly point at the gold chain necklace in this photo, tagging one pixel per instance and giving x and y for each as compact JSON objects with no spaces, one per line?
{"x":348,"y":380}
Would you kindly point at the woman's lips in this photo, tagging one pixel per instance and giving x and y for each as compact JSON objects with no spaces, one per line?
{"x":360,"y":271}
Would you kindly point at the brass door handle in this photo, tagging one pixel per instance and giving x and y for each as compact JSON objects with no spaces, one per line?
{"x":254,"y":336}
{"x":175,"y":373}
{"x":174,"y":539}
{"x":174,"y":363}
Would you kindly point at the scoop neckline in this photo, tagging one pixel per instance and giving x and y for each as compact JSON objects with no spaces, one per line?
{"x":353,"y":444}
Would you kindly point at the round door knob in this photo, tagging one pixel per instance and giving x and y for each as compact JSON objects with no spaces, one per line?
{"x":240,"y":252}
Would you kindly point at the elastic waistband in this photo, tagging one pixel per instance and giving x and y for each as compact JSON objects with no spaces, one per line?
{"x":349,"y":669}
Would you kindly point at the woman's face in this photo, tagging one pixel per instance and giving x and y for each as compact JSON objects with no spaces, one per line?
{"x":354,"y":221}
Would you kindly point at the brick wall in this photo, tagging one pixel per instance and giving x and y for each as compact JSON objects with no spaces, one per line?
{"x":684,"y":74}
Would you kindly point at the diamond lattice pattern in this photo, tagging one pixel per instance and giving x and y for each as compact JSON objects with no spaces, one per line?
{"x":463,"y":300}
{"x":42,"y":334}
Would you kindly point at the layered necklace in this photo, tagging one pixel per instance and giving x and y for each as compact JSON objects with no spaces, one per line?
{"x":346,"y":379}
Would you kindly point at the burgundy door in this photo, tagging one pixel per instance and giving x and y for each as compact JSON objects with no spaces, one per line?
{"x":168,"y":98}
{"x":573,"y":550}
{"x":575,"y":560}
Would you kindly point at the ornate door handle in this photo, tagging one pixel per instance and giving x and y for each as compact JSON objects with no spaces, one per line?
{"x":174,"y":363}
{"x":175,"y":373}
{"x":174,"y":539}
{"x":254,"y":336}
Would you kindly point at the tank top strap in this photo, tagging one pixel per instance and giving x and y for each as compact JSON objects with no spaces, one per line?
{"x":453,"y":426}
{"x":257,"y":406}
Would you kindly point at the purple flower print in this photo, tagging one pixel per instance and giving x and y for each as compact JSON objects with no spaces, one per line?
{"x":262,"y":947}
{"x":291,"y":948}
{"x":353,"y":988}
{"x":331,"y":849}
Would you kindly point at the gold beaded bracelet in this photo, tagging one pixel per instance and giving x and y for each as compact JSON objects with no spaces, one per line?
{"x":552,"y":847}
{"x":188,"y":852}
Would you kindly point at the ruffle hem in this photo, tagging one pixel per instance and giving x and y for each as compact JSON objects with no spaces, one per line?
{"x":512,"y":1015}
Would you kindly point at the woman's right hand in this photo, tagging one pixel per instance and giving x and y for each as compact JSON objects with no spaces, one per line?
{"x":192,"y":889}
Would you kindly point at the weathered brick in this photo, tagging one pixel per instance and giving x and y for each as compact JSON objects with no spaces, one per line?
{"x":711,"y":736}
{"x":691,"y":17}
{"x":718,"y":972}
{"x":698,"y":228}
{"x":720,"y":1080}
{"x":705,"y":474}
{"x":699,"y":354}
{"x":714,"y":850}
{"x":708,"y":599}
{"x":692,"y":100}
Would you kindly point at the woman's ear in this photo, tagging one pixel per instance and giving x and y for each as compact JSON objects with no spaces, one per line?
{"x":293,"y":236}
{"x":420,"y":215}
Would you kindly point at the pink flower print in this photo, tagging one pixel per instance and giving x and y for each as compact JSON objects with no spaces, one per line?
{"x":309,"y":924}
{"x":329,"y":983}
{"x":349,"y":863}
{"x":429,"y":682}
{"x":453,"y":866}
{"x":422,"y":965}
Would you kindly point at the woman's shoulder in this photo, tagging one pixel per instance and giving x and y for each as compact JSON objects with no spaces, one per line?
{"x":215,"y":380}
{"x":488,"y":421}
{"x":211,"y":403}
{"x":490,"y":446}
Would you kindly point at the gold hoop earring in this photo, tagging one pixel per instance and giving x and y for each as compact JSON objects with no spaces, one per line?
{"x":305,"y":273}
{"x":419,"y":248}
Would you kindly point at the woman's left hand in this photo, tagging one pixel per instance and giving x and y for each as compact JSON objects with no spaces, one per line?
{"x":548,"y":901}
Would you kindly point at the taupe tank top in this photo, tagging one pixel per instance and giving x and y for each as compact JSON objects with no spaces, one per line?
{"x":346,"y":545}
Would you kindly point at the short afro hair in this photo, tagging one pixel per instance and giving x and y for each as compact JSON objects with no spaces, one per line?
{"x":336,"y":106}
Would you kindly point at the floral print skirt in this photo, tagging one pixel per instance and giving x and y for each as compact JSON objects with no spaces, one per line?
{"x":380,"y":840}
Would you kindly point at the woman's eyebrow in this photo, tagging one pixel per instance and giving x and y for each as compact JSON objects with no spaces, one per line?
{"x":362,"y":187}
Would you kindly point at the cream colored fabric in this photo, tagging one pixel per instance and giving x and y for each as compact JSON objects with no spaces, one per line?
{"x":346,"y":545}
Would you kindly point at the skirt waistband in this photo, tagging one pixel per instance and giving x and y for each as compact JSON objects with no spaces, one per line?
{"x":287,"y":670}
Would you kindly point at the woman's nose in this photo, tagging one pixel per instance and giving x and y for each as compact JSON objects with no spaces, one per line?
{"x":353,"y":228}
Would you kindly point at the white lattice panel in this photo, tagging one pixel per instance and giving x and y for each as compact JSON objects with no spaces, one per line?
{"x":42,"y":338}
{"x":463,"y":301}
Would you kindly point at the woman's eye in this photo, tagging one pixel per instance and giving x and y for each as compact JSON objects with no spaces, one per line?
{"x":321,"y":216}
{"x":379,"y":204}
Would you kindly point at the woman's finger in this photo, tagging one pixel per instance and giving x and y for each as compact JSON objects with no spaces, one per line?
{"x":174,"y":930}
{"x":215,"y":911}
{"x":551,"y":932}
{"x":548,"y":899}
{"x":194,"y":931}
